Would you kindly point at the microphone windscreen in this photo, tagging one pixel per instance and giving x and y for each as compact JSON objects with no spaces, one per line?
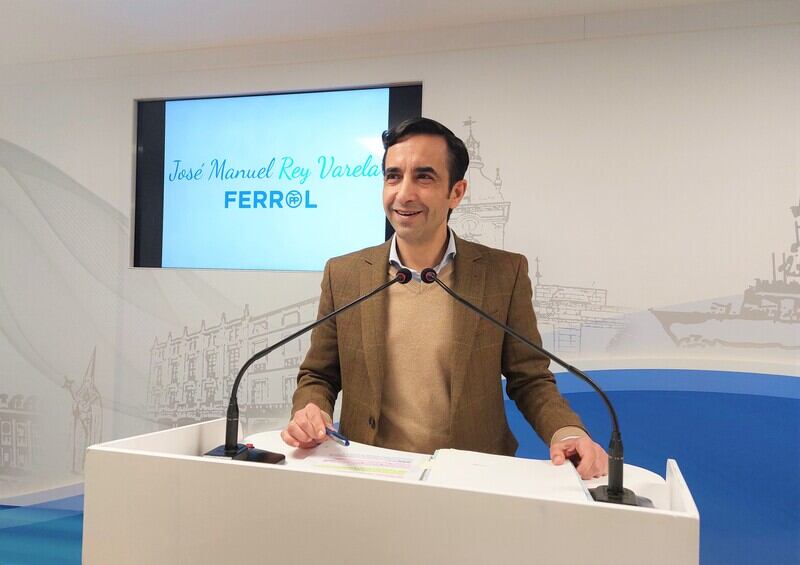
{"x":428,"y":275}
{"x":403,"y":275}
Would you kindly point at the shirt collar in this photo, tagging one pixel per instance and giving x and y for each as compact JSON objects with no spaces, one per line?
{"x":449,"y":254}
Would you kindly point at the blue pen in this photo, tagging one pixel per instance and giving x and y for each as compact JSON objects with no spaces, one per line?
{"x":337,"y":437}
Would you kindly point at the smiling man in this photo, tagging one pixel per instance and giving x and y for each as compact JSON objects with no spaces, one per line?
{"x":417,"y":371}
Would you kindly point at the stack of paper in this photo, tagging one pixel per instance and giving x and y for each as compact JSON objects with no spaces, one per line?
{"x":505,"y":475}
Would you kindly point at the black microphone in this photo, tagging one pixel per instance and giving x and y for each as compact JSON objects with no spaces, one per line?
{"x":614,"y":492}
{"x":235,"y":450}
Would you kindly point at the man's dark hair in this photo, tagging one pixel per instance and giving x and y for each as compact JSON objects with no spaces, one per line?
{"x":457,"y":155}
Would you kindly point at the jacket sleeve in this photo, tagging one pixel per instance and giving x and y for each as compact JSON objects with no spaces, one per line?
{"x":529,"y":382}
{"x":319,"y":378}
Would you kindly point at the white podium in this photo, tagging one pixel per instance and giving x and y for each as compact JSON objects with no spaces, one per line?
{"x":154,"y":499}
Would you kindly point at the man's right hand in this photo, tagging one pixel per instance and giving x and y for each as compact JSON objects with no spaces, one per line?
{"x":307,"y":427}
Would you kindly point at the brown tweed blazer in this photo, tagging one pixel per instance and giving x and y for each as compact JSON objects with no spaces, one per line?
{"x":347,"y":353}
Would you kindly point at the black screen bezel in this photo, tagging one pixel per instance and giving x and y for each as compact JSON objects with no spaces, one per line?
{"x":405,"y":101}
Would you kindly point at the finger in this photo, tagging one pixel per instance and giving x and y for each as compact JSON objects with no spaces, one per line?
{"x":557,"y":453}
{"x":298,"y":433}
{"x":317,"y":422}
{"x":301,"y":420}
{"x":289,"y":440}
{"x":597,"y":471}
{"x":600,"y":465}
{"x":603,"y":459}
{"x":297,"y":437}
{"x":292,"y":442}
{"x":309,"y":445}
{"x":586,"y":468}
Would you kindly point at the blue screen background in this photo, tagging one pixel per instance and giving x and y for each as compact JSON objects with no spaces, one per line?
{"x":248,"y":133}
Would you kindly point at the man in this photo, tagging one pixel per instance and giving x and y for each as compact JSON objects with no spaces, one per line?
{"x":418,"y":371}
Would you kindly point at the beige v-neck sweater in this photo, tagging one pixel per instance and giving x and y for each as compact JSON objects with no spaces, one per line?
{"x":415,"y":402}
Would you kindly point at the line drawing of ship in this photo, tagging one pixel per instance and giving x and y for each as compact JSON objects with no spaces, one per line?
{"x":768,"y":317}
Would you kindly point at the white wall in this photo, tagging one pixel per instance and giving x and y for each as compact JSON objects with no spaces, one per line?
{"x":654,"y":155}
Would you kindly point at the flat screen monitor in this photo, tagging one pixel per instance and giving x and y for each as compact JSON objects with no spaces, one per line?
{"x":274,"y":181}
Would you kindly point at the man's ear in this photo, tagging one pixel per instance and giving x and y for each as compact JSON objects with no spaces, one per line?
{"x":457,"y":193}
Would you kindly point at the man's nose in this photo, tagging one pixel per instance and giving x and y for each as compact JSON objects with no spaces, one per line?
{"x":407,"y":191}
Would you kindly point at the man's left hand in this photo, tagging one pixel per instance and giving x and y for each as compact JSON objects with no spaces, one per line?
{"x":590,"y":459}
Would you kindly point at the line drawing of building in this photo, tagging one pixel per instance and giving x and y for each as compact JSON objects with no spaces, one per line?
{"x":191,"y":374}
{"x":566,"y":314}
{"x":87,"y":414}
{"x":18,"y":435}
{"x":482,"y":215}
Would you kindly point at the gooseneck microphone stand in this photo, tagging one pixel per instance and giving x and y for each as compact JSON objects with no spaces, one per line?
{"x":235,"y":450}
{"x":614,"y":492}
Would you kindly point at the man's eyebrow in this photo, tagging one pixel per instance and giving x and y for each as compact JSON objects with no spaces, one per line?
{"x":429,"y":170}
{"x":391,"y":170}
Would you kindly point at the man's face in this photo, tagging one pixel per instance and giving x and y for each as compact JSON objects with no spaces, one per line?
{"x":416,"y":197}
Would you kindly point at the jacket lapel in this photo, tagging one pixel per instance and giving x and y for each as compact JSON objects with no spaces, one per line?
{"x":374,"y":272}
{"x":469,"y":281}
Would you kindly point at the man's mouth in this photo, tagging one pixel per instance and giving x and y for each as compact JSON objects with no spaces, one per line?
{"x":406,"y":213}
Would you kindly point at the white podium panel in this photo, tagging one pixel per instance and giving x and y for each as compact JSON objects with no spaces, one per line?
{"x":154,"y":499}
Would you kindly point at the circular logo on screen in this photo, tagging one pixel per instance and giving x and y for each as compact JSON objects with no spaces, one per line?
{"x":293,"y":199}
